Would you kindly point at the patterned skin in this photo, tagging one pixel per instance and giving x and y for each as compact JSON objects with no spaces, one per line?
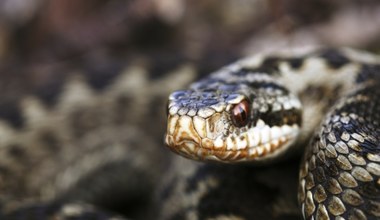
{"x":233,"y":115}
{"x":249,"y":112}
{"x":82,"y":138}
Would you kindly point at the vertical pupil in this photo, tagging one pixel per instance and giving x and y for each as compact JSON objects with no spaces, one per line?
{"x":240,"y":114}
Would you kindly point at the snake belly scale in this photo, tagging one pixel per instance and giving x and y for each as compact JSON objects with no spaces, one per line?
{"x":267,"y":107}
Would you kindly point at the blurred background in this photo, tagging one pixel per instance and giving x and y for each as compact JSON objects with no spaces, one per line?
{"x":42,"y":42}
{"x":44,"y":39}
{"x":208,"y":33}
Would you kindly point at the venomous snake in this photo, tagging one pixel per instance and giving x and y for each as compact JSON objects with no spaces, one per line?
{"x":266,"y":108}
{"x":86,"y":137}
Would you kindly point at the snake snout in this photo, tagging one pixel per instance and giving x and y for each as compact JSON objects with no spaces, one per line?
{"x":181,"y":135}
{"x":194,"y":137}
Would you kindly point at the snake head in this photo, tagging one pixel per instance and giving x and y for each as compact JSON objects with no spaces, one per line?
{"x":232,"y":120}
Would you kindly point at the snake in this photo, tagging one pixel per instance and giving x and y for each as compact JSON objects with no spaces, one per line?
{"x":85,"y":141}
{"x":267,"y":108}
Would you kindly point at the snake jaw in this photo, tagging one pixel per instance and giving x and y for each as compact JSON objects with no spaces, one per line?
{"x":229,"y":121}
{"x":213,"y":139}
{"x":188,"y":135}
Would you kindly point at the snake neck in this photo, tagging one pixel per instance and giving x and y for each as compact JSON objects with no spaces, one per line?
{"x":202,"y":121}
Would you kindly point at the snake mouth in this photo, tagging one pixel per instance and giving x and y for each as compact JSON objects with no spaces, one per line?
{"x":192,"y":150}
{"x":259,"y":143}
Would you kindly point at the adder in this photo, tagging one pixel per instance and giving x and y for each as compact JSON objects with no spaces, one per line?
{"x":266,"y":108}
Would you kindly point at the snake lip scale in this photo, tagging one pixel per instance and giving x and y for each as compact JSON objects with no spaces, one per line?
{"x":268,"y":105}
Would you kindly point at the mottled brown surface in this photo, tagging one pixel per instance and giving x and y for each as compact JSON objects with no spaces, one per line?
{"x":44,"y":44}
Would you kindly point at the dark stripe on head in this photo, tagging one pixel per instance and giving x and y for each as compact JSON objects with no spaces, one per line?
{"x":209,"y":83}
{"x":334,"y":58}
{"x":283,"y":117}
{"x":269,"y":66}
{"x":268,"y":85}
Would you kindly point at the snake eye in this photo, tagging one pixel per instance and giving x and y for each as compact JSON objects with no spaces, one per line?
{"x":240,"y":113}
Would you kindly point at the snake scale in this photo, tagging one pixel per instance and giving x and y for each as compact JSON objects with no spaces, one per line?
{"x":264,"y":108}
{"x":81,"y":144}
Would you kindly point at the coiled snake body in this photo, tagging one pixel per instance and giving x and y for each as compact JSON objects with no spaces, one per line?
{"x":265,"y":108}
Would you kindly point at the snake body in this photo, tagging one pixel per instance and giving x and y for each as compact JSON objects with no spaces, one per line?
{"x":81,"y":145}
{"x":267,"y":107}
